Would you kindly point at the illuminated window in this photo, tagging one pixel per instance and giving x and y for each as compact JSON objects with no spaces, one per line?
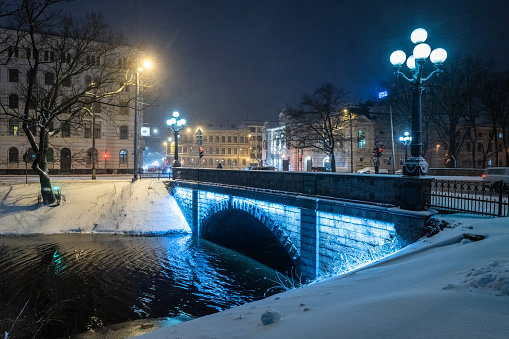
{"x":361,"y":139}
{"x":123,"y":157}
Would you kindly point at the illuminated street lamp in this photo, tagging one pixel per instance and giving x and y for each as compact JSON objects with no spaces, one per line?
{"x":436,"y":156}
{"x":417,"y":165}
{"x":146,"y":64}
{"x":176,"y":125}
{"x":406,"y":139}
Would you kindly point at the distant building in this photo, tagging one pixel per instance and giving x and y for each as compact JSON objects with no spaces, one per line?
{"x":234,"y":145}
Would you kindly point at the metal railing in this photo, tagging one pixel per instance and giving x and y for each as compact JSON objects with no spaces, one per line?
{"x":482,"y":198}
{"x":154,"y":175}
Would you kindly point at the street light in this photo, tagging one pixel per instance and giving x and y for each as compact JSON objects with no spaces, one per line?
{"x":417,"y":165}
{"x":436,"y":156}
{"x":146,"y":64}
{"x":176,"y":126}
{"x":406,"y":139}
{"x":351,"y":139}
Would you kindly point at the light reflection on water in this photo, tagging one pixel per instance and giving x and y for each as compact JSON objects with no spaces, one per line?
{"x":79,"y":282}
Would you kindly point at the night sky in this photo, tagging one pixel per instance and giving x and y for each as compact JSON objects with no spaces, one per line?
{"x":237,"y":59}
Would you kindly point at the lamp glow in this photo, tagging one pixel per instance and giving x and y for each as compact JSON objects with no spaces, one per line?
{"x":422,"y":51}
{"x":419,"y":35}
{"x":411,"y":62}
{"x":398,"y":58}
{"x":438,"y":56}
{"x":176,"y":114}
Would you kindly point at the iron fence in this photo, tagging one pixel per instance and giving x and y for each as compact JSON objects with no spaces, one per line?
{"x":154,"y":175}
{"x":490,"y":199}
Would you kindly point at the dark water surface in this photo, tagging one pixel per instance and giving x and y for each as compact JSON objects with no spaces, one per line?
{"x":60,"y":285}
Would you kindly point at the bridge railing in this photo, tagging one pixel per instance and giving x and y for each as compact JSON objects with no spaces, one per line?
{"x":407,"y":193}
{"x":490,"y":199}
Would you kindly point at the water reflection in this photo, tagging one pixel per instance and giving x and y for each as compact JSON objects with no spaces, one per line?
{"x":77,"y":282}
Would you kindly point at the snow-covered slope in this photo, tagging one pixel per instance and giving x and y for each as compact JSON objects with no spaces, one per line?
{"x":91,"y":206}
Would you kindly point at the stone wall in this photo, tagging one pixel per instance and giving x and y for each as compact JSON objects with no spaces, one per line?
{"x":405,"y":192}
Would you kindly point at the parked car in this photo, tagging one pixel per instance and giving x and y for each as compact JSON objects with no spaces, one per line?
{"x":265,"y":168}
{"x":366,"y":170}
{"x":320,"y":169}
{"x":371,"y":170}
{"x":498,"y":176}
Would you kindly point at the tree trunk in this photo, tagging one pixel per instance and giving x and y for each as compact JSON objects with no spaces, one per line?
{"x":332,"y":162}
{"x":46,"y":190}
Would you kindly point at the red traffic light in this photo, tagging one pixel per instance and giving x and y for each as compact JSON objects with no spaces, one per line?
{"x":105,"y":155}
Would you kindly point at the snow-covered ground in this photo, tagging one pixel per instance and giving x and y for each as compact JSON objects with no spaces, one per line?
{"x":447,"y":286}
{"x":110,"y":206}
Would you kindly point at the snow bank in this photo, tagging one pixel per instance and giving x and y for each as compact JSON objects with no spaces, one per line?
{"x":111,"y":206}
{"x":447,"y":286}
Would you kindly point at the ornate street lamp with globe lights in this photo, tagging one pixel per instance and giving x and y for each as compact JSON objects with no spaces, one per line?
{"x":176,"y":125}
{"x":406,"y":139}
{"x":416,"y":165}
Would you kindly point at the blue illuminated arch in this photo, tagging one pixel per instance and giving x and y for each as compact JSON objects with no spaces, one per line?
{"x":264,"y":217}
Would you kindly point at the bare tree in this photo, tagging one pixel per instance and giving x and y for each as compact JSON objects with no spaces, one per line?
{"x":458,"y":105}
{"x":62,"y":67}
{"x":318,"y":121}
{"x":494,"y":96}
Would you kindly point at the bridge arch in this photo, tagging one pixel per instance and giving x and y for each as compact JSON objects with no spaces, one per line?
{"x":228,"y":211}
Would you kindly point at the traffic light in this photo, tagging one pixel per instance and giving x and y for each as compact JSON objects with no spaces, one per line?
{"x":380,"y":149}
{"x":375,"y":152}
{"x":105,"y":156}
{"x":300,"y":158}
{"x":201,"y":152}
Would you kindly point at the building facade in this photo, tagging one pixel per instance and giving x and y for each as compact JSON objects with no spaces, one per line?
{"x":108,"y":124}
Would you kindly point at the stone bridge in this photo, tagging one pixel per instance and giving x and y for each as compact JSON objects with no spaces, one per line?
{"x":311,"y":231}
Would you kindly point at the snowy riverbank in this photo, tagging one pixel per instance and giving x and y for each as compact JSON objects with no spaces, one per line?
{"x":102,"y":206}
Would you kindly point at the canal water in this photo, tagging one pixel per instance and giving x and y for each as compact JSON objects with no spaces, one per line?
{"x":56,"y":286}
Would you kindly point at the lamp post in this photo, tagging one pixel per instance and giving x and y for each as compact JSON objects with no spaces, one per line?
{"x":436,"y":156}
{"x":351,"y":139}
{"x":176,"y":126}
{"x":406,"y":139}
{"x":146,"y":64}
{"x":417,"y":165}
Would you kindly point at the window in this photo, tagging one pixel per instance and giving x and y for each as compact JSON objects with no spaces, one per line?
{"x":217,"y":138}
{"x":229,"y":150}
{"x":49,"y":78}
{"x":479,"y":134}
{"x":88,"y":81}
{"x":223,"y":151}
{"x":89,"y":156}
{"x":235,"y":139}
{"x":13,"y":75}
{"x":96,"y":107}
{"x":88,"y":130}
{"x":50,"y":157}
{"x":217,"y":150}
{"x":13,"y":51}
{"x":223,"y":138}
{"x":211,"y":162}
{"x":13,"y":101}
{"x":229,"y":139}
{"x":211,"y":150}
{"x":490,"y":148}
{"x":66,"y":82}
{"x":469,"y":146}
{"x":13,"y":155}
{"x":235,"y":150}
{"x":479,"y":147}
{"x":123,"y":157}
{"x":124,"y":132}
{"x":124,"y":108}
{"x":97,"y":131}
{"x":66,"y":130}
{"x":479,"y":162}
{"x":13,"y":127}
{"x":252,"y":129}
{"x":211,"y":138}
{"x":361,"y":139}
{"x":184,"y":149}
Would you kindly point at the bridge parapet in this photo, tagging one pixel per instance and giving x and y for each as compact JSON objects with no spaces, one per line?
{"x":405,"y":192}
